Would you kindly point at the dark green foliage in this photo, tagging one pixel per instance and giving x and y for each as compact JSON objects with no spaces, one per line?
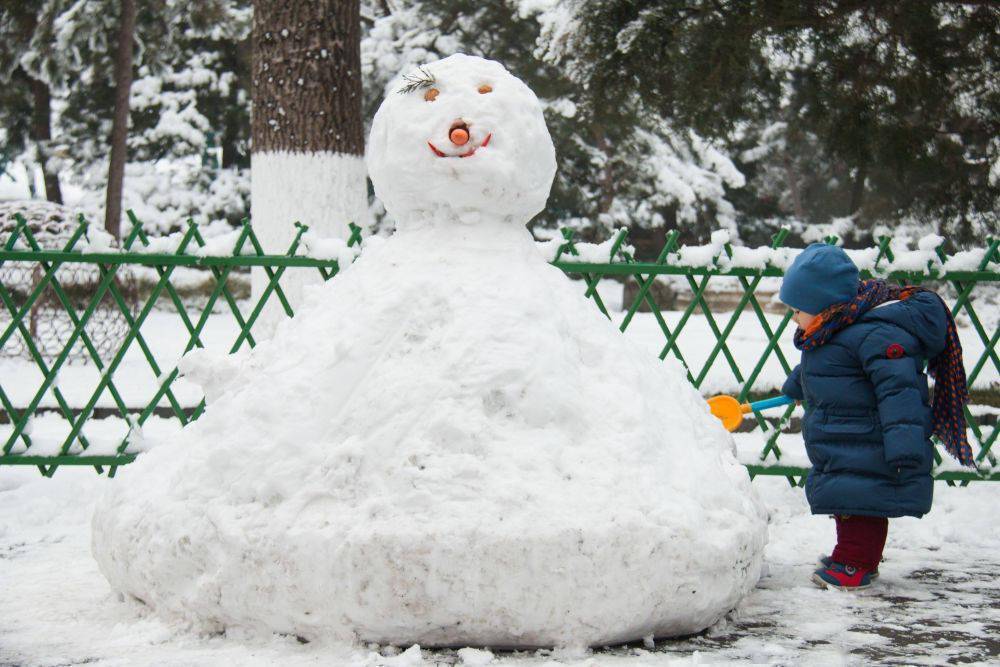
{"x":15,"y":112}
{"x":890,"y":106}
{"x":885,"y":112}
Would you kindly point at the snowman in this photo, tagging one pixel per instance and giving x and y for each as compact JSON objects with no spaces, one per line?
{"x":448,"y":445}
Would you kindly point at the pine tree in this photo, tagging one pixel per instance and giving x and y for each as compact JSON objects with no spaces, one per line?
{"x":900,"y":99}
{"x":190,"y":96}
{"x":27,"y":89}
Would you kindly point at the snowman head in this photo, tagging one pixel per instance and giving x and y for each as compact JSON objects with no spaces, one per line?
{"x":461,"y":139}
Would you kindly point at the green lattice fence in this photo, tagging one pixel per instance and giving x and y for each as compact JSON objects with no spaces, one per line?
{"x":698,"y":267}
{"x":75,"y":447}
{"x":695,"y":268}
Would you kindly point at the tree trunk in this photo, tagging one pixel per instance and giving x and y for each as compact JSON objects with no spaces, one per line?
{"x":41,"y":132}
{"x":308,"y":134}
{"x":119,"y":127}
{"x":307,"y":76}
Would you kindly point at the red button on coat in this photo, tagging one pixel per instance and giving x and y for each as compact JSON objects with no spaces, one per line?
{"x":894,"y":351}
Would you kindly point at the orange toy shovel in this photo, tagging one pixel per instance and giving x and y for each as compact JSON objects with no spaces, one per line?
{"x":731,"y":411}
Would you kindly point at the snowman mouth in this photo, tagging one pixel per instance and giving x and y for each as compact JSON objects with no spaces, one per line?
{"x":468,"y":153}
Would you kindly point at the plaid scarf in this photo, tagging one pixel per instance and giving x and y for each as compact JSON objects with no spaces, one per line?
{"x":951,"y":392}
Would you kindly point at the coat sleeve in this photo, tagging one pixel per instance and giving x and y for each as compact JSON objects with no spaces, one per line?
{"x":793,"y":385}
{"x":900,"y":407}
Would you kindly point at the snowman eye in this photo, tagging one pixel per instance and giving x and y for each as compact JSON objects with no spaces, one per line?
{"x":483,"y":89}
{"x":431,"y":94}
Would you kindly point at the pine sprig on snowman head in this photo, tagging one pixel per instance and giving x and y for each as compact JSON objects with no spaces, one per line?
{"x":422,"y":79}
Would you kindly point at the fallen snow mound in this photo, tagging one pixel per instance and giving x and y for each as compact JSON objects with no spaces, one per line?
{"x":448,"y":445}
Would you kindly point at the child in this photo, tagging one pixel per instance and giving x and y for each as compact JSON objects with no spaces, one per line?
{"x":868,"y":419}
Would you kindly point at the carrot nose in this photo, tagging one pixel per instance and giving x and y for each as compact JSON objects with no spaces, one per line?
{"x":459,"y":136}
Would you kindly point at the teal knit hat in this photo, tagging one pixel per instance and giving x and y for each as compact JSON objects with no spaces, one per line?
{"x":820,"y":276}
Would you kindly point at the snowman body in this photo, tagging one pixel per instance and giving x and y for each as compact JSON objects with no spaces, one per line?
{"x":448,"y":445}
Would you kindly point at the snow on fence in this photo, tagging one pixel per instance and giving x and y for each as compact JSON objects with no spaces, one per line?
{"x":96,"y":420}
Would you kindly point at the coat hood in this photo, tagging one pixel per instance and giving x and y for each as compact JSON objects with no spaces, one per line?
{"x":923,"y":316}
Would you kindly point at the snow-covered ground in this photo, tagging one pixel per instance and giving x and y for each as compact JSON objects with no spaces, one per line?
{"x":938,"y":600}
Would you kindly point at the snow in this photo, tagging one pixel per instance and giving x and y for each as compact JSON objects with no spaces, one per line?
{"x":161,"y":194}
{"x":969,"y":260}
{"x":714,"y":255}
{"x":683,"y":171}
{"x":447,"y":445}
{"x":58,"y":223}
{"x":937,"y":601}
{"x":938,"y":576}
{"x":930,"y":242}
{"x":703,"y":255}
{"x":323,"y":190}
{"x":511,"y":175}
{"x":317,"y":247}
{"x":475,"y":657}
{"x":838,"y":227}
{"x":596,"y":253}
{"x":48,"y":431}
{"x":98,"y":241}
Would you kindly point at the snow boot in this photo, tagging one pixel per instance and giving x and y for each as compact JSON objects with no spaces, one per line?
{"x":844,"y":577}
{"x":825,"y":561}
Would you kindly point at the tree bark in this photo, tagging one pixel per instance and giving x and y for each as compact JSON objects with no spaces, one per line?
{"x":41,"y":132}
{"x":307,"y":76}
{"x":119,"y":127}
{"x":307,"y":161}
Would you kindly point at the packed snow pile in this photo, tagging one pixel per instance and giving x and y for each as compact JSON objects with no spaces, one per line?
{"x":447,"y":445}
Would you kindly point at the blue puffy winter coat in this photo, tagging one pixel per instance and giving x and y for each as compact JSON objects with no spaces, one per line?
{"x":867,"y":423}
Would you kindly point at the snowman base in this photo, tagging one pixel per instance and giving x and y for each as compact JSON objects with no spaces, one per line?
{"x":514,"y":584}
{"x":572,"y":588}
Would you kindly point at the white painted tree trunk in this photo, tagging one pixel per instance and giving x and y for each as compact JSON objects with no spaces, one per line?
{"x":307,"y":163}
{"x":323,"y":190}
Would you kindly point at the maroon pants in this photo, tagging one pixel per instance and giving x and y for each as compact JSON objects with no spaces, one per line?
{"x":860,"y":540}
